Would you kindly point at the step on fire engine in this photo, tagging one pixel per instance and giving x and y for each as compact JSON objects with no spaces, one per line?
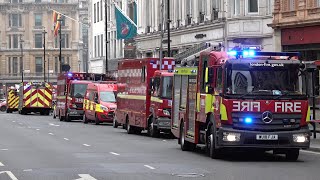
{"x":35,"y":97}
{"x":144,"y":95}
{"x":238,"y":100}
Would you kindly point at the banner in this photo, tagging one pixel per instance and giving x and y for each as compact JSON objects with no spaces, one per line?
{"x":126,"y":29}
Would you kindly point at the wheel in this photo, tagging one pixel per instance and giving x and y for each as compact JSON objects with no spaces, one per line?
{"x":47,"y":113}
{"x":292,"y":154}
{"x":137,"y":130}
{"x":185,"y":145}
{"x":97,"y":122}
{"x":42,"y":113}
{"x":130,"y":129}
{"x":3,"y":108}
{"x":212,"y":151}
{"x":115,"y":123}
{"x":67,"y":118}
{"x":85,"y":119}
{"x":153,"y":131}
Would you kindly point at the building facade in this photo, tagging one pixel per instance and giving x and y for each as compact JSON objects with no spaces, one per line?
{"x":24,"y":22}
{"x":229,"y":22}
{"x":98,"y":39}
{"x":84,"y":36}
{"x":297,"y":26}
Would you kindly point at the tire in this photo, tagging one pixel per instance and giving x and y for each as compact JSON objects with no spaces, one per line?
{"x":115,"y":123}
{"x":85,"y":119}
{"x":130,"y":129}
{"x":3,"y":108}
{"x":212,"y":151}
{"x":97,"y":122}
{"x":67,"y":118}
{"x":152,"y":130}
{"x":292,"y":154}
{"x":184,"y":145}
{"x":61,"y":118}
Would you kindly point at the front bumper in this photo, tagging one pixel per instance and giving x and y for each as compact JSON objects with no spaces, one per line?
{"x":106,"y":116}
{"x":163,"y":123}
{"x":249,"y":139}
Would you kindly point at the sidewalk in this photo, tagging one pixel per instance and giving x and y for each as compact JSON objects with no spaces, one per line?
{"x":315,"y":143}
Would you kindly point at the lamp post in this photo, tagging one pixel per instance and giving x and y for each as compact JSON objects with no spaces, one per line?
{"x":44,"y":55}
{"x":168,"y":26}
{"x":48,"y":67}
{"x":60,"y":55}
{"x":21,"y":65}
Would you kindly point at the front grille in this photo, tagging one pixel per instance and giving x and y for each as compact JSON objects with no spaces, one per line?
{"x":111,"y":114}
{"x":279,"y":122}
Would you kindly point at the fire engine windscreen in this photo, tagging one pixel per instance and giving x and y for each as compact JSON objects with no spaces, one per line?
{"x":248,"y":79}
{"x":167,"y":84}
{"x":108,"y":96}
{"x":78,"y":90}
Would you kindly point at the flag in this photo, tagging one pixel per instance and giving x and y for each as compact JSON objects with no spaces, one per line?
{"x":54,"y":17}
{"x":126,"y":29}
{"x":57,"y":26}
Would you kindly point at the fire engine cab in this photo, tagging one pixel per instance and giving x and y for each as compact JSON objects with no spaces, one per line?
{"x":238,"y":100}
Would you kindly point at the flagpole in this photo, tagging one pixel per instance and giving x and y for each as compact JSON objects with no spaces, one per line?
{"x":106,"y":24}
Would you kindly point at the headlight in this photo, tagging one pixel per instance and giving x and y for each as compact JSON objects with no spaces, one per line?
{"x":300,"y":138}
{"x":166,"y":112}
{"x":104,"y":108}
{"x":231,"y":137}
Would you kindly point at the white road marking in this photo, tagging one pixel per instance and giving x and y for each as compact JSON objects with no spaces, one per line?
{"x":311,"y":152}
{"x":51,"y":134}
{"x":20,"y":123}
{"x":150,"y":167}
{"x":86,"y":145}
{"x":66,"y":139}
{"x":56,"y":125}
{"x":85,"y":177}
{"x":9,"y":173}
{"x":1,"y":164}
{"x":27,"y":170}
{"x":116,"y":154}
{"x":164,"y":140}
{"x":13,"y":121}
{"x":37,"y":129}
{"x":4,"y":149}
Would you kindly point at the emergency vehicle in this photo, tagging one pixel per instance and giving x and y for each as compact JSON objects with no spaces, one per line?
{"x":238,"y":100}
{"x":71,"y":89}
{"x":12,"y":98}
{"x":144,"y":101}
{"x":100,"y":102}
{"x":35,"y":97}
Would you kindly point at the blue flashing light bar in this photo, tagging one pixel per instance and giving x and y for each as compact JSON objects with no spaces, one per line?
{"x":69,"y":74}
{"x":248,"y":120}
{"x":252,"y":53}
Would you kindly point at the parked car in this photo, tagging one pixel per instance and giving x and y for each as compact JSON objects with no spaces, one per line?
{"x":3,"y":105}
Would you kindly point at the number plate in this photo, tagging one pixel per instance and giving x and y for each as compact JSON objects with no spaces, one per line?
{"x":266,"y":137}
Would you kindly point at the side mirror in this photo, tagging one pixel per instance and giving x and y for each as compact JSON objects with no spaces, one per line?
{"x":96,"y":100}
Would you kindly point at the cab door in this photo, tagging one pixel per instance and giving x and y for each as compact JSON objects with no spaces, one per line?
{"x":191,"y":105}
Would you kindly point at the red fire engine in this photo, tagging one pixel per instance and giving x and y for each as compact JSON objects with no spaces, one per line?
{"x":71,"y":88}
{"x":241,"y":99}
{"x":144,"y":95}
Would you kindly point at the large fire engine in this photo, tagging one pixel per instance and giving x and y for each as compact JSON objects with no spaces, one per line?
{"x":238,"y":100}
{"x":12,"y":98}
{"x":71,"y":88}
{"x":144,"y":95}
{"x":35,"y":97}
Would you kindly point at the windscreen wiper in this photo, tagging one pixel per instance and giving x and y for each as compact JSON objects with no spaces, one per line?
{"x":283,"y":94}
{"x":255,"y":91}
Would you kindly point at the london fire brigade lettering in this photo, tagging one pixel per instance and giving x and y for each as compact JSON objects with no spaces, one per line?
{"x":246,"y":106}
{"x":287,"y":107}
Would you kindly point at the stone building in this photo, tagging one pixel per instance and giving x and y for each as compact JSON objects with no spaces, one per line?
{"x":229,"y":22}
{"x":26,"y":20}
{"x":297,"y":25}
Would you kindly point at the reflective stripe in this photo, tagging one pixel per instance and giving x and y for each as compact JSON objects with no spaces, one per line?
{"x":136,"y":97}
{"x":308,"y":117}
{"x":223,"y":112}
{"x":156,"y":99}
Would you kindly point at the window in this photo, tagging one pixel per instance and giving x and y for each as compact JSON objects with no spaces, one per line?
{"x":39,"y":66}
{"x":253,"y":6}
{"x":56,"y":64}
{"x":98,"y":45}
{"x":98,"y":12}
{"x":64,"y":40}
{"x":38,"y":19}
{"x":94,"y":13}
{"x":101,"y":14}
{"x":317,"y":3}
{"x":148,"y":14}
{"x":15,"y":20}
{"x":189,"y":12}
{"x":292,"y":5}
{"x":215,"y":9}
{"x":95,"y":46}
{"x":13,"y":41}
{"x":38,"y":40}
{"x":37,"y":1}
{"x":236,"y":7}
{"x":13,"y":65}
{"x":16,"y":1}
{"x":202,"y":10}
{"x":101,"y":44}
